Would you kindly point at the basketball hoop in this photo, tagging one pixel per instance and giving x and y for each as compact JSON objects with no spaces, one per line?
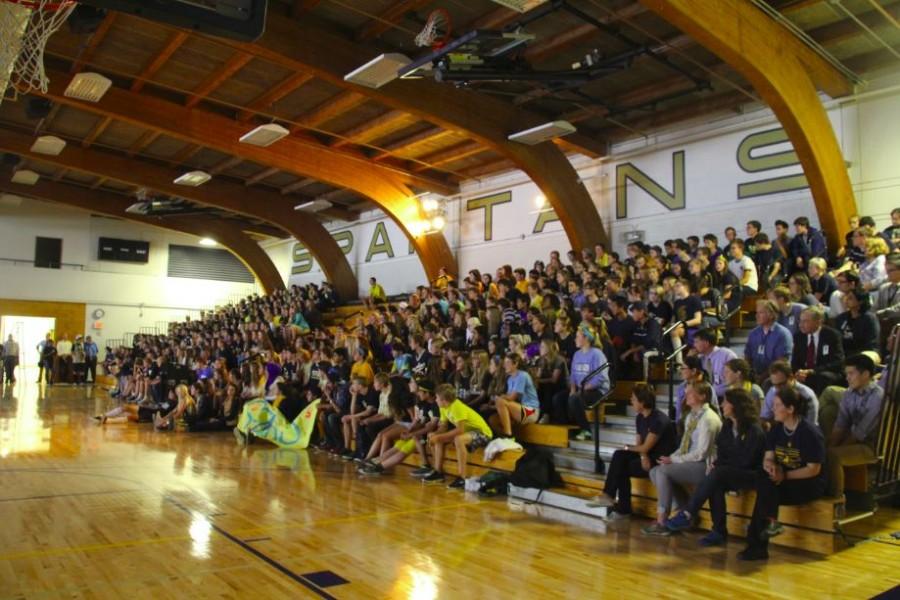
{"x":25,"y":27}
{"x":436,"y":32}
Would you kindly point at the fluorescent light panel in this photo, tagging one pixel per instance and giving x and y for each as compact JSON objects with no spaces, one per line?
{"x":520,"y":5}
{"x":25,"y":177}
{"x":379,"y":71}
{"x":542,"y":133}
{"x":314,"y":205}
{"x":264,"y":135}
{"x":209,"y":242}
{"x":48,"y":144}
{"x":89,"y":87}
{"x":193,"y":178}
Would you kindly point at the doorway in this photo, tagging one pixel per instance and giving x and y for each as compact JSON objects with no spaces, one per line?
{"x":28,"y":332}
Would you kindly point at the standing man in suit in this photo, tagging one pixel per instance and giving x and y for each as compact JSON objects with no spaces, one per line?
{"x":818,"y":357}
{"x":808,"y":243}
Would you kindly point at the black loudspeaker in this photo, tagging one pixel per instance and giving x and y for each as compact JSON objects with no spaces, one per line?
{"x":38,"y":108}
{"x":86,"y":19}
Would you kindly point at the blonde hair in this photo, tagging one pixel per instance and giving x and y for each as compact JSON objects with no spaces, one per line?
{"x":876,"y":246}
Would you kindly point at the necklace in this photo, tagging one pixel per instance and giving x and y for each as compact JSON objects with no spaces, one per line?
{"x":790,"y":432}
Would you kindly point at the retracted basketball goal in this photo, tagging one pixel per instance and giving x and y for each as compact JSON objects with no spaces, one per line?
{"x":25,"y":27}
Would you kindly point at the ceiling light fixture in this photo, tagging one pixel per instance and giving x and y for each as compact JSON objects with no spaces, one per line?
{"x":379,"y":71}
{"x":193,"y":178}
{"x":542,"y":133}
{"x":209,"y":242}
{"x":314,"y":205}
{"x":264,"y":135}
{"x":89,"y":87}
{"x":48,"y":144}
{"x":520,"y":5}
{"x":25,"y":177}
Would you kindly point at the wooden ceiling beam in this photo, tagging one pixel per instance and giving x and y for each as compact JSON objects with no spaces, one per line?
{"x":297,"y":185}
{"x":452,"y":154}
{"x":96,"y":132}
{"x":273,"y":95}
{"x":225,"y":164}
{"x":185,"y":154}
{"x":314,"y":46}
{"x":147,"y":138}
{"x":388,"y":19}
{"x":328,"y":110}
{"x":226,"y":233}
{"x":174,"y":43}
{"x":264,"y":174}
{"x":553,"y":44}
{"x":256,"y":203}
{"x":373,"y":128}
{"x":429,"y":135}
{"x":391,"y":188}
{"x":87,"y":53}
{"x":489,"y":168}
{"x":498,"y":18}
{"x":234,"y":64}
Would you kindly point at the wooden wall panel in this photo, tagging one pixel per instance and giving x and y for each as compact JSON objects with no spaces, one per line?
{"x":69,"y":315}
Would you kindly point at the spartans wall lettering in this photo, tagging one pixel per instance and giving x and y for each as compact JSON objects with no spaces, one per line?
{"x":752,"y":161}
{"x":674,"y":200}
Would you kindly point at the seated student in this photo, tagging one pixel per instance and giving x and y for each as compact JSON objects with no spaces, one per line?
{"x":184,"y":410}
{"x":401,"y":408}
{"x":361,"y":368}
{"x":469,"y":433}
{"x":620,"y":325}
{"x":692,"y":372}
{"x":224,"y":414}
{"x":737,"y":376}
{"x":801,"y":290}
{"x":852,"y":440}
{"x":714,"y":357}
{"x":768,"y":341}
{"x":364,"y":403}
{"x":788,"y":310}
{"x":656,"y":437}
{"x":744,"y":269}
{"x":792,"y":471}
{"x":402,"y":363}
{"x":740,"y":446}
{"x":385,"y":417}
{"x":782,"y":375}
{"x":818,"y":355}
{"x":689,"y":463}
{"x":425,"y":421}
{"x":858,"y":327}
{"x":657,"y":306}
{"x":646,"y":339}
{"x":569,"y":406}
{"x":689,"y":311}
{"x":821,"y":282}
{"x":520,"y":404}
{"x":846,"y":282}
{"x":376,"y":295}
{"x":552,"y":375}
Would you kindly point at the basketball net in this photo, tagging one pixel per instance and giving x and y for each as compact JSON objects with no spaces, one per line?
{"x":25,"y":27}
{"x":436,"y":31}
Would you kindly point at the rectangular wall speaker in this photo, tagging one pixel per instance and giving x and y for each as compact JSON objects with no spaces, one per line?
{"x":134,"y":251}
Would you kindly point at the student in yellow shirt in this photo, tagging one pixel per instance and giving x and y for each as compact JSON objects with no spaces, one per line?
{"x":376,"y":295}
{"x":361,"y":368}
{"x":521,"y":282}
{"x":443,"y":279}
{"x":469,"y":433}
{"x":535,"y":300}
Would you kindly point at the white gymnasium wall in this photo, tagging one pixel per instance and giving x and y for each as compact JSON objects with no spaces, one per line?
{"x":131,"y":295}
{"x":867,"y":128}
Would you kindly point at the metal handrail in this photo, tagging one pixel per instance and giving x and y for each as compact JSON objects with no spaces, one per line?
{"x":887,"y":446}
{"x":673,"y":326}
{"x":599,"y":466}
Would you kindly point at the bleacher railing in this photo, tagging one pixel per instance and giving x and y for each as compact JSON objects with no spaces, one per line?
{"x":888,"y":445}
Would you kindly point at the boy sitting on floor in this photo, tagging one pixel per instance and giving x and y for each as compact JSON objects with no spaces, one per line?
{"x":470,"y":432}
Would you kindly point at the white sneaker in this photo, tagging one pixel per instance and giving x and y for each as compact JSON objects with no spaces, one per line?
{"x":544,"y":420}
{"x":613,"y":516}
{"x":601,"y":501}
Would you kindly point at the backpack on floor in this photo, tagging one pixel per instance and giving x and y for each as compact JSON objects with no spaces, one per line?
{"x":493,"y":483}
{"x":536,"y":470}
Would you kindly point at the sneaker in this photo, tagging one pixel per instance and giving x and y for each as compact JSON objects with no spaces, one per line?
{"x":601,"y":501}
{"x":583,"y":435}
{"x":347,"y":455}
{"x":753,"y":553}
{"x":657,"y":530}
{"x":713,"y":538}
{"x":613,"y":516}
{"x":370,"y":470}
{"x":359,"y":459}
{"x":240,"y":437}
{"x":422,"y":471}
{"x":679,"y":522}
{"x":774,"y":529}
{"x":544,"y":420}
{"x":457,"y":484}
{"x":433,"y":478}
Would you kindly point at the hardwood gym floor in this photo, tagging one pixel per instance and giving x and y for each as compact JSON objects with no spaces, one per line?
{"x":124,"y":512}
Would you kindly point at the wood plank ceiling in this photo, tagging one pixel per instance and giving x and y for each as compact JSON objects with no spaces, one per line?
{"x":673,"y":81}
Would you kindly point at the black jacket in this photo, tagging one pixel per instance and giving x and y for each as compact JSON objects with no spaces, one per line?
{"x":829,"y":352}
{"x":744,"y":451}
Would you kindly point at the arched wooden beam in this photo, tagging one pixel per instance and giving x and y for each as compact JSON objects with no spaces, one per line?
{"x":786,"y":74}
{"x":310,"y":45}
{"x":386,"y":187}
{"x":267,"y":206}
{"x":228,"y":235}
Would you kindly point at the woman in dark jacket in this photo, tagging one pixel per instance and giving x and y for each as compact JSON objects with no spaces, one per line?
{"x":858,"y":327}
{"x":740,"y":446}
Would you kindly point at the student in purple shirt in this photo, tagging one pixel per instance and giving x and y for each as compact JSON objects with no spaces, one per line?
{"x":768,"y":342}
{"x":569,"y":406}
{"x":713,"y":357}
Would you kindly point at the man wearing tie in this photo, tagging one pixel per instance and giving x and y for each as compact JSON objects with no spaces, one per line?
{"x":887,"y":300}
{"x":818,"y":355}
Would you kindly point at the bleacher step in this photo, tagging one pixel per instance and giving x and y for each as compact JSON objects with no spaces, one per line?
{"x":556,"y":499}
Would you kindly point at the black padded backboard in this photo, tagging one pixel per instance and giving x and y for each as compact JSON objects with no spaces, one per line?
{"x":243,"y":20}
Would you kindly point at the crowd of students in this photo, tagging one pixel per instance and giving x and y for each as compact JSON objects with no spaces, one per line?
{"x":461,"y":363}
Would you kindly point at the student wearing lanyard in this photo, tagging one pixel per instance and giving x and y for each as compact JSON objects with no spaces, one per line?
{"x":768,"y":342}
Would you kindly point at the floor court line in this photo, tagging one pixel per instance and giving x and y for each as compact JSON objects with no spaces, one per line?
{"x":72,"y":495}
